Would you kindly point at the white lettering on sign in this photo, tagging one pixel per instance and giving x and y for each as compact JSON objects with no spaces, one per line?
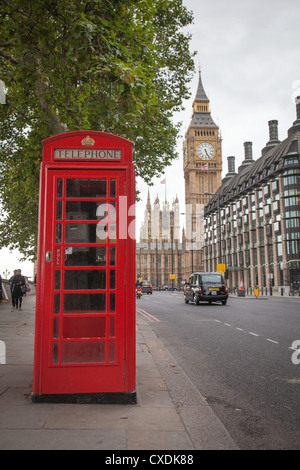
{"x":88,"y":154}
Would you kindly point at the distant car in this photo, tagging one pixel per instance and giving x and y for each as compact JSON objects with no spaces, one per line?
{"x":209,"y":287}
{"x":146,"y":287}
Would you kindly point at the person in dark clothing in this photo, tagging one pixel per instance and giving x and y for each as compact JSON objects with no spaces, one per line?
{"x":17,"y":282}
{"x":11,"y":287}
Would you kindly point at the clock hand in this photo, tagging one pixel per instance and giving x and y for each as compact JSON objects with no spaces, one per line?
{"x":206,"y":152}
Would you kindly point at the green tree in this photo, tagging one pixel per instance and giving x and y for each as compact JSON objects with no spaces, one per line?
{"x":109,"y":65}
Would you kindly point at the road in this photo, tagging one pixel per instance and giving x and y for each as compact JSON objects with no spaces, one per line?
{"x":239,"y":357}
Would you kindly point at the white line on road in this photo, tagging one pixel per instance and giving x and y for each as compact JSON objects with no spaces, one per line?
{"x":251,"y":333}
{"x":272,"y":341}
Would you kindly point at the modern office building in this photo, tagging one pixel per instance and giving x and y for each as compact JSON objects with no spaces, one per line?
{"x":252,"y":221}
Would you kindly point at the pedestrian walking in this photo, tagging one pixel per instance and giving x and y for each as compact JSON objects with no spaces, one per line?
{"x":18,"y":285}
{"x":11,"y":288}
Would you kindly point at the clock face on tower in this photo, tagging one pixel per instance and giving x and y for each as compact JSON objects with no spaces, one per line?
{"x":205,"y":151}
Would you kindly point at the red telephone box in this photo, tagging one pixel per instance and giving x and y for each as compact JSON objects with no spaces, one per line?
{"x":85,"y":304}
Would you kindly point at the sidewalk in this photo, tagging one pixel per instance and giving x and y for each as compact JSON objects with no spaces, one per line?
{"x":266,"y":297}
{"x":170,"y":414}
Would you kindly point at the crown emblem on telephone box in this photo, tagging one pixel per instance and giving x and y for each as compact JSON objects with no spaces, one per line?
{"x":87,"y":141}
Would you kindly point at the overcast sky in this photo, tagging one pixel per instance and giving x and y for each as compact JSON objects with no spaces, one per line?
{"x":250,"y":66}
{"x":250,"y":61}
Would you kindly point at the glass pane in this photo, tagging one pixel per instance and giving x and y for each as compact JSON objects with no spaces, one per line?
{"x":84,"y":303}
{"x":56,"y":303}
{"x":112,"y":329}
{"x":112,"y":210}
{"x":82,"y":233}
{"x":58,"y":233}
{"x":112,"y":259}
{"x":113,"y":233}
{"x":112,"y":188}
{"x":58,"y":210}
{"x":86,"y":188}
{"x":112,"y":279}
{"x":57,"y":280}
{"x":86,"y":210}
{"x":111,"y":351}
{"x":59,"y":188}
{"x":102,"y":232}
{"x":112,"y":302}
{"x":83,"y":352}
{"x":55,"y":353}
{"x":56,"y":327}
{"x":84,"y":327}
{"x":85,"y":279}
{"x":106,"y":211}
{"x":85,"y":256}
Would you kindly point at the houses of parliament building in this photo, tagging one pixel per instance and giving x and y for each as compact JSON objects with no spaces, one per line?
{"x":248,"y":221}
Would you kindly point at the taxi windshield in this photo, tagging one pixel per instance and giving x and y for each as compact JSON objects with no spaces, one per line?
{"x":212,"y":278}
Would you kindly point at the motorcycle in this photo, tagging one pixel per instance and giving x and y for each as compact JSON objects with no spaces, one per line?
{"x":138,"y":292}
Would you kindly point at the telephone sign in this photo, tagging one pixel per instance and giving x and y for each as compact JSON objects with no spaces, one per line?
{"x":85,"y":306}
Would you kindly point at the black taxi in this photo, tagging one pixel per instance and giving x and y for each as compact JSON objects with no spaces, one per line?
{"x":208,"y":287}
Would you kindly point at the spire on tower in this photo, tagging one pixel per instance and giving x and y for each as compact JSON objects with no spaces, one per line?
{"x":201,"y":95}
{"x":148,"y":200}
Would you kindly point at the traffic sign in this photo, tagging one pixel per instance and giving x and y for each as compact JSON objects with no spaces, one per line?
{"x":221,"y":268}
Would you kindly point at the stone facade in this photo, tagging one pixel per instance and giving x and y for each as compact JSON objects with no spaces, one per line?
{"x":160,"y":251}
{"x":252,"y":222}
{"x":164,"y":249}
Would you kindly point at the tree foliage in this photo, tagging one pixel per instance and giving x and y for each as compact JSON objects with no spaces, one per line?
{"x":108,"y":65}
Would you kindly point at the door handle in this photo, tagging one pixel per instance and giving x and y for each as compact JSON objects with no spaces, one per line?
{"x":48,"y":256}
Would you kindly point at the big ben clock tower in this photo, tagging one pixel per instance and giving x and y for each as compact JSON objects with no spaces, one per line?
{"x":202,"y":166}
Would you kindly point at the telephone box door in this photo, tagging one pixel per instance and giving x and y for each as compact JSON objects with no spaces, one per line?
{"x":83,"y":283}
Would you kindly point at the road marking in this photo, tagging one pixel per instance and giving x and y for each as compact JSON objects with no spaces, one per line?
{"x":272,"y":341}
{"x":147,"y":315}
{"x":253,"y":334}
